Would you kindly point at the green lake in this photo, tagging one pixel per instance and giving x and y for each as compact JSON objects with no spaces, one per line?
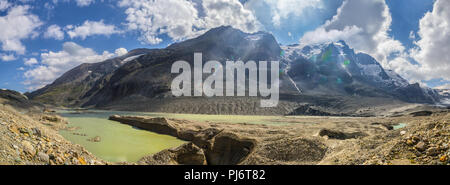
{"x":123,"y":143}
{"x":119,"y":142}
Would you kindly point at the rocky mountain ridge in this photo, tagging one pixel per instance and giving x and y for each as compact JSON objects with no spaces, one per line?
{"x":143,"y":76}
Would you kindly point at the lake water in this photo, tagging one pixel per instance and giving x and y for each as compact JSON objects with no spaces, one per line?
{"x":123,"y":143}
{"x":119,"y":142}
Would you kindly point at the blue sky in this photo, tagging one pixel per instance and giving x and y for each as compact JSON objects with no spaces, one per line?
{"x":104,"y":28}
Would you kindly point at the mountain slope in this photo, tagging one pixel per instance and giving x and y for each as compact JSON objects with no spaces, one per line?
{"x":150,"y":76}
{"x":330,"y":76}
{"x":334,"y":68}
{"x":81,"y":82}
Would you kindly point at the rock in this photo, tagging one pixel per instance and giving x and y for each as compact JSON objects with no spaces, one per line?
{"x":420,"y":146}
{"x":341,"y":135}
{"x":189,"y":154}
{"x":82,"y":161}
{"x":46,"y":110}
{"x":422,"y":113}
{"x":433,"y":151}
{"x":95,"y":139}
{"x":310,"y":110}
{"x":443,"y":158}
{"x":28,"y":148}
{"x":43,"y":157}
{"x":52,"y":157}
{"x":36,"y":132}
{"x":51,"y":118}
{"x":229,"y":149}
{"x":402,"y":132}
{"x":203,"y":139}
{"x":410,"y":142}
{"x":3,"y":123}
{"x":79,"y":134}
{"x":25,"y":131}
{"x":186,"y":154}
{"x":385,"y":125}
{"x":159,"y":125}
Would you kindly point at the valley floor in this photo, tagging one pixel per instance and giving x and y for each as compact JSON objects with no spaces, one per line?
{"x":404,"y":140}
{"x":399,"y":138}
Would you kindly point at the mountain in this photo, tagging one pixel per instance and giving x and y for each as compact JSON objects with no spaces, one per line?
{"x":18,"y":101}
{"x":323,"y":75}
{"x":444,"y":96}
{"x":335,"y":68}
{"x":80,"y":83}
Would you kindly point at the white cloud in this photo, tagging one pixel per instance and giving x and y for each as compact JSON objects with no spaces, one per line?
{"x":445,"y":86}
{"x":282,"y":9}
{"x":364,"y":25}
{"x":54,"y":31}
{"x":84,"y":2}
{"x":30,"y":62}
{"x":7,"y":58}
{"x":432,"y":51}
{"x":80,"y":3}
{"x":89,"y":28}
{"x":54,"y":64}
{"x":412,"y":35}
{"x":321,"y":35}
{"x":182,"y":19}
{"x":18,"y":24}
{"x":4,"y":4}
{"x":121,"y":51}
{"x":373,"y":20}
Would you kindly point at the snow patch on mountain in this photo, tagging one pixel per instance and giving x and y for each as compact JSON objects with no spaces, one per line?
{"x":255,"y":37}
{"x":397,"y":79}
{"x":130,"y":58}
{"x":372,"y":70}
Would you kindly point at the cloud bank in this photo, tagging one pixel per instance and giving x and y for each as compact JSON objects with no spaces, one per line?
{"x":182,"y":19}
{"x":54,"y":64}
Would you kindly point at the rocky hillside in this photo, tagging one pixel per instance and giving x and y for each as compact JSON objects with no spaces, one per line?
{"x":77,"y":85}
{"x":18,"y":100}
{"x":33,"y":139}
{"x":143,"y":77}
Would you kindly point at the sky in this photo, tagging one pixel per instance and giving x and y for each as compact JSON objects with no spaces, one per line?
{"x":42,"y":39}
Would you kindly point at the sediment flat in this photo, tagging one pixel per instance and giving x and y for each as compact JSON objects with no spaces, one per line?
{"x":307,"y":140}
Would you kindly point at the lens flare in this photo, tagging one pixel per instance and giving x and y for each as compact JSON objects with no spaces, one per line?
{"x":347,"y":62}
{"x":327,"y":55}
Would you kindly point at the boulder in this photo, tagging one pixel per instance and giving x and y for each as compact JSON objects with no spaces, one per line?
{"x":43,"y":157}
{"x":51,"y":118}
{"x":159,"y":125}
{"x":186,"y":154}
{"x":95,"y":139}
{"x":332,"y":134}
{"x":387,"y":126}
{"x":28,"y":148}
{"x":229,"y":149}
{"x":421,"y":146}
{"x":189,"y":154}
{"x":203,"y":139}
{"x":422,"y":113}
